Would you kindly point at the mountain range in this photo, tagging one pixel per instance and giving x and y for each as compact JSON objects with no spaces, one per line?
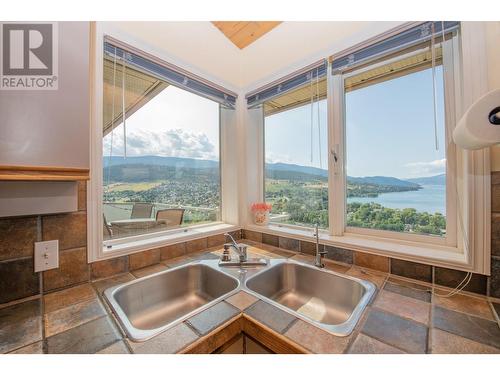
{"x":273,"y":170}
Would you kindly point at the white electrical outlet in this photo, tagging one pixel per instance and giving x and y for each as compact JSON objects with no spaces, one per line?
{"x":46,"y":255}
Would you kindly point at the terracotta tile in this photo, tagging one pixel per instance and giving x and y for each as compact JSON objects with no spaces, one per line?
{"x":72,"y":316}
{"x":144,"y":259}
{"x":214,"y":316}
{"x":20,"y":325}
{"x":217,"y":240}
{"x":168,"y":342}
{"x":447,"y":343}
{"x":251,"y":235}
{"x":109,"y":267}
{"x":375,"y":262}
{"x":73,"y":269}
{"x":67,"y":297}
{"x":396,"y":331}
{"x":196,"y":245}
{"x":176,"y":262}
{"x":315,"y":339}
{"x":35,"y":348}
{"x":82,"y":195}
{"x":411,"y":270}
{"x":309,"y":247}
{"x":406,"y":307}
{"x":270,"y":239}
{"x":118,"y":347}
{"x":18,"y":237}
{"x":339,"y":255}
{"x":70,"y":229}
{"x":495,"y":278}
{"x":331,"y":266}
{"x":88,"y":338}
{"x":289,"y":244}
{"x":104,"y":284}
{"x":241,"y":300}
{"x":18,"y":280}
{"x":477,"y":329}
{"x":463,"y":303}
{"x":375,"y":277}
{"x":367,"y":345}
{"x":203,"y":255}
{"x":172,"y":251}
{"x":276,"y":252}
{"x":421,"y":292}
{"x":271,"y":316}
{"x":146,"y":271}
{"x":452,"y":278}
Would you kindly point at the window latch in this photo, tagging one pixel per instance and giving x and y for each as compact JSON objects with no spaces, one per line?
{"x":334,"y":154}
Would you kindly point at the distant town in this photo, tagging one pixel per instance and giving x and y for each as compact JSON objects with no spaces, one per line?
{"x":298,"y":193}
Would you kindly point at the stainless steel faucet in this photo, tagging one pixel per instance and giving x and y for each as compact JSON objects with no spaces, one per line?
{"x":318,"y":262}
{"x":240,"y":249}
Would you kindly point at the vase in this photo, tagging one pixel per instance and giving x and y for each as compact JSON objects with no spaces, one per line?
{"x":261,"y":217}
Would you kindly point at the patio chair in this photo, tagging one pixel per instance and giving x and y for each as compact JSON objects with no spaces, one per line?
{"x":106,"y":227}
{"x":141,"y":211}
{"x":171,"y":216}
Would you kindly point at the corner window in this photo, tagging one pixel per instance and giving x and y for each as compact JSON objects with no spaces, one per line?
{"x":296,"y":155}
{"x":160,"y":156}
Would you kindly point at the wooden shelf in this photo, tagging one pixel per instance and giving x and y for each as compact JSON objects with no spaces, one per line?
{"x":32,"y":173}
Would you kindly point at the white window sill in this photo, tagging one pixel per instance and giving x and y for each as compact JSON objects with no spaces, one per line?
{"x":152,"y":241}
{"x":436,"y":255}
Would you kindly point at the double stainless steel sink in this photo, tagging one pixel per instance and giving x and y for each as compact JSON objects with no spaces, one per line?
{"x":149,"y":306}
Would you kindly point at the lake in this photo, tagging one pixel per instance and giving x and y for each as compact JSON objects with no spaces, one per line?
{"x":431,"y":199}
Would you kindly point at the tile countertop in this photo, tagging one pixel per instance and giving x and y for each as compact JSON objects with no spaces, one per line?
{"x":403,"y":317}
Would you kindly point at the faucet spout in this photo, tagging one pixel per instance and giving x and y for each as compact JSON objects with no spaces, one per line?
{"x":318,"y":261}
{"x":240,"y":249}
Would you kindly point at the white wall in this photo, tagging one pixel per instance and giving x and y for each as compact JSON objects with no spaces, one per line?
{"x":51,"y":128}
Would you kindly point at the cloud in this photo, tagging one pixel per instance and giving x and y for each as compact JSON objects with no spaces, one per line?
{"x":174,"y":142}
{"x":426,"y":168}
{"x":272,"y":157}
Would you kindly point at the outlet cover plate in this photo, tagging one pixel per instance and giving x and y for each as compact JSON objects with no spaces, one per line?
{"x":46,"y":255}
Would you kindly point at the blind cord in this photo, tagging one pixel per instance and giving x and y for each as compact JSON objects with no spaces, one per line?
{"x":312,"y":111}
{"x":461,"y":222}
{"x":124,"y":117}
{"x":434,"y":89}
{"x":112,"y":122}
{"x":319,"y":125}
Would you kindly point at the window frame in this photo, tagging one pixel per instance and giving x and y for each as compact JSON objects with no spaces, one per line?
{"x":97,"y":248}
{"x":450,"y":64}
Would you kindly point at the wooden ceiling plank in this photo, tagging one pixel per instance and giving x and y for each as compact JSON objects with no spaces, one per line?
{"x":244,"y":33}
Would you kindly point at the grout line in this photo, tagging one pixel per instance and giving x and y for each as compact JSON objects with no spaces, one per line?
{"x":39,"y":236}
{"x":285,"y":330}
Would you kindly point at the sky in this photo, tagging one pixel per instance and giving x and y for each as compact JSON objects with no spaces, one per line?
{"x":389,"y":130}
{"x":173,"y":123}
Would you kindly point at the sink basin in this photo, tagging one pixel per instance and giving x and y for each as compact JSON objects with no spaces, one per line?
{"x":149,"y":306}
{"x":326,"y":299}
